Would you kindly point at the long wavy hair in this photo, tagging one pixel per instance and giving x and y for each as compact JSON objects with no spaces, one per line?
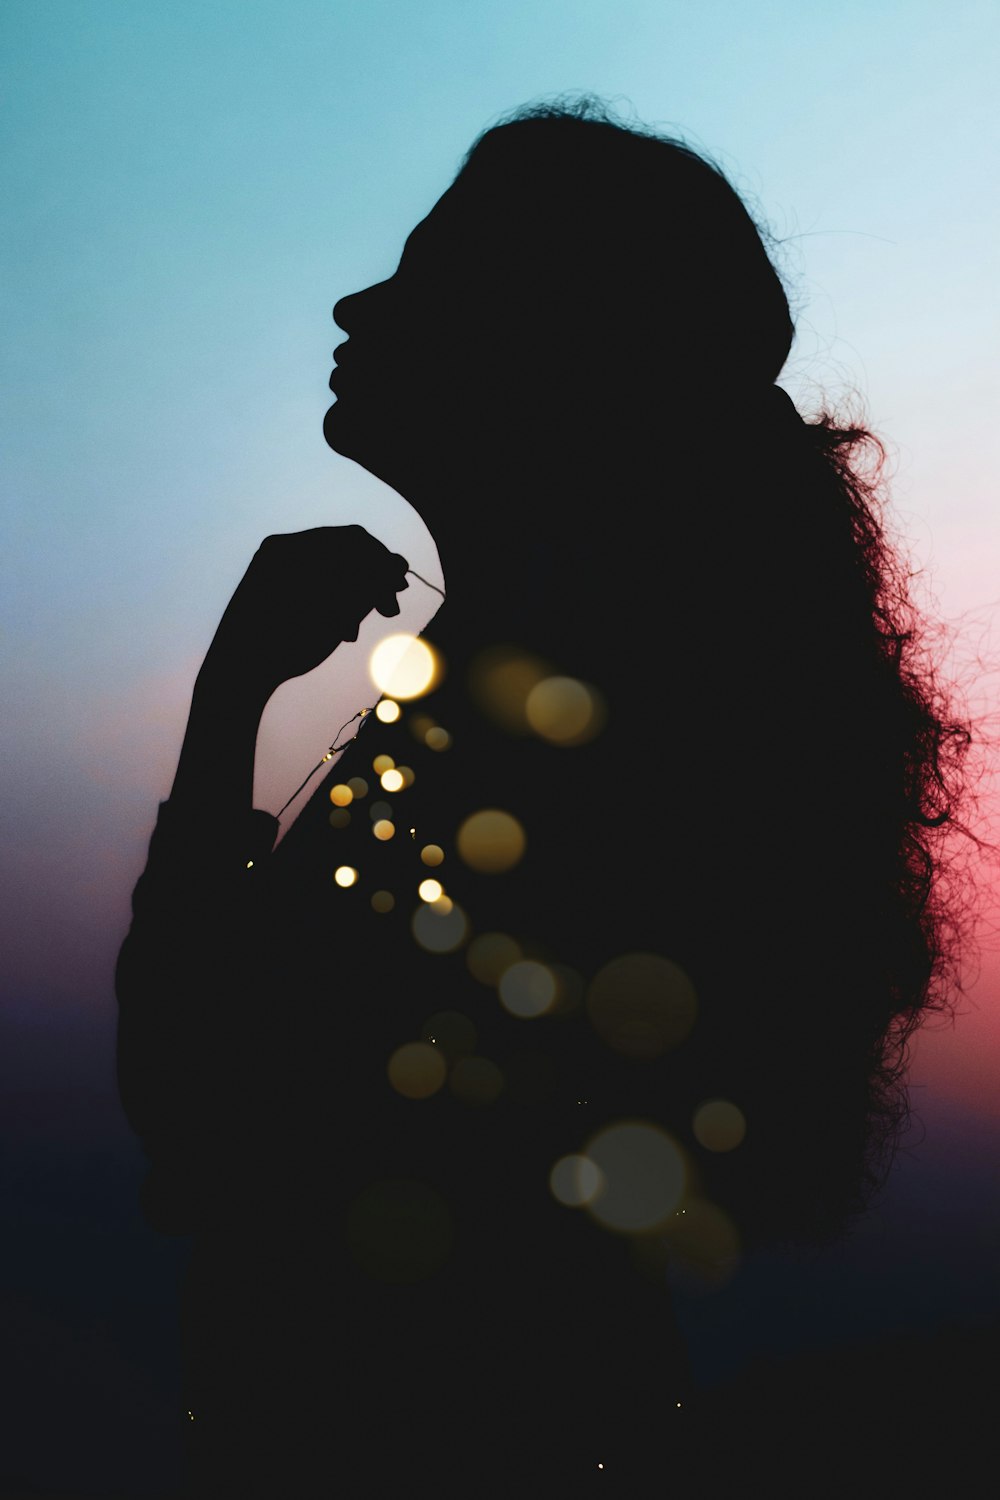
{"x":829,"y":745}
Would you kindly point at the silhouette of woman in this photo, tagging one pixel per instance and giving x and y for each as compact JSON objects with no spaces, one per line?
{"x":681,"y":776}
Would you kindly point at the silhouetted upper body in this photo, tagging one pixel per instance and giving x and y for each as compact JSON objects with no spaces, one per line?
{"x":694,"y":892}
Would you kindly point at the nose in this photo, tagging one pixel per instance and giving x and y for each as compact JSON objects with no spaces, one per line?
{"x":345,"y":312}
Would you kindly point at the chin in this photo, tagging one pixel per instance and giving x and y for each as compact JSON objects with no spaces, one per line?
{"x":332,"y":431}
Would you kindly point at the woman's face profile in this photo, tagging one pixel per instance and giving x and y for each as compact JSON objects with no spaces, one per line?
{"x":408,"y":366}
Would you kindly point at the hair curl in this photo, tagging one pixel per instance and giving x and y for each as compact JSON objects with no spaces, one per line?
{"x":857,"y":679}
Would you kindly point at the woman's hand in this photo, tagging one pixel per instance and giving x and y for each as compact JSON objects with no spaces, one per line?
{"x":302,"y":595}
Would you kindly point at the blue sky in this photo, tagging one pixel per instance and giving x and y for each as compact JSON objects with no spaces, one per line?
{"x":187,"y":189}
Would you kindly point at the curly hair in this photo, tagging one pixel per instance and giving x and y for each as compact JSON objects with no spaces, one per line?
{"x":842,"y":660}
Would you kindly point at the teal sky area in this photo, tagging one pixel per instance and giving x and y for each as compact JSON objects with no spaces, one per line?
{"x":187,"y":188}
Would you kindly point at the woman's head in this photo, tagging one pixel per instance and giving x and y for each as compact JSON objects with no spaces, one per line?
{"x":580,"y":279}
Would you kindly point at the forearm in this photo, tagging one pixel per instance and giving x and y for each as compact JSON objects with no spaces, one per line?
{"x":214,"y":777}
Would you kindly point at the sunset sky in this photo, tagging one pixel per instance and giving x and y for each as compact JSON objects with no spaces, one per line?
{"x":186,"y":189}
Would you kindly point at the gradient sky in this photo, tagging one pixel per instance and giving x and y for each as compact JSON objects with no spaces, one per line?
{"x":187,"y":188}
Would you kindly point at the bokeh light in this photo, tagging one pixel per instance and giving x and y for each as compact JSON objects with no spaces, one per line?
{"x":432,"y":854}
{"x":490,"y":954}
{"x":451,"y":1032}
{"x":339,"y":817}
{"x":437,"y":738}
{"x":576,"y":1180}
{"x":400,"y":1231}
{"x":392,"y":780}
{"x":491,"y":841}
{"x":404,"y":666}
{"x":341,"y":795}
{"x":702,"y":1243}
{"x":719,"y":1125}
{"x":380,"y":810}
{"x":565,"y":711}
{"x":641,"y":1005}
{"x":644,"y":1172}
{"x":387,"y":710}
{"x":500,"y":681}
{"x":345,"y":875}
{"x":439,"y":927}
{"x":383,"y":829}
{"x":476,"y":1080}
{"x":430,"y":890}
{"x":358,"y":786}
{"x":382,"y":763}
{"x":527,"y":988}
{"x":569,"y":990}
{"x":383,"y":901}
{"x":407,"y":774}
{"x":417,"y":1070}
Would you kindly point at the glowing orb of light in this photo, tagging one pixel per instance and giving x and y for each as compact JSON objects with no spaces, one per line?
{"x":400,"y":1230}
{"x":383,"y":901}
{"x":358,"y":786}
{"x":341,"y":795}
{"x":430,"y":890}
{"x":491,"y":841}
{"x":476,"y":1080}
{"x":719,"y":1125}
{"x":392,"y":780}
{"x":644,"y":1172}
{"x":576,"y":1180}
{"x":500,"y":681}
{"x":439,"y":929}
{"x":703,"y":1243}
{"x":345,"y":875}
{"x":490,"y":954}
{"x":387,"y":711}
{"x":432,"y":854}
{"x":453,"y":1034}
{"x":417,"y":1070}
{"x":382,"y":763}
{"x":641,"y":1005}
{"x":407,"y":774}
{"x":565,"y":711}
{"x":404,"y":666}
{"x":383,"y":829}
{"x":527,"y":988}
{"x":436,"y":738}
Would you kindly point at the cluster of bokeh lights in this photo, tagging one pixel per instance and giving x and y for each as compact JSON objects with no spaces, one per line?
{"x":632,"y":1176}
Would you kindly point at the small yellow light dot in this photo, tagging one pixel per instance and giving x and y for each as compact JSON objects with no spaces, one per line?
{"x":345,"y":875}
{"x":430,"y":890}
{"x":382,"y":763}
{"x":383,"y":829}
{"x":392,"y":780}
{"x":431,"y":854}
{"x":341,"y":795}
{"x":388,"y":711}
{"x":249,"y":864}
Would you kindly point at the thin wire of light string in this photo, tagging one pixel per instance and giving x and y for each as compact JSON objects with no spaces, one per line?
{"x":362,"y":714}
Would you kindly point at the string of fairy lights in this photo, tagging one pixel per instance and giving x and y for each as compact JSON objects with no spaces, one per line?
{"x":631,"y":1176}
